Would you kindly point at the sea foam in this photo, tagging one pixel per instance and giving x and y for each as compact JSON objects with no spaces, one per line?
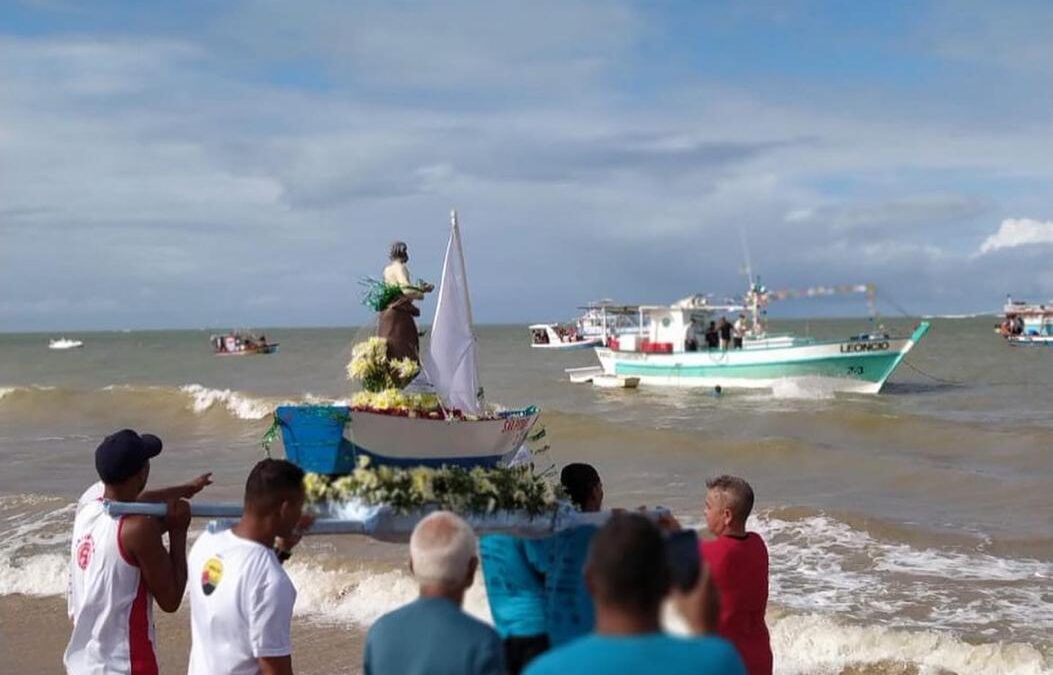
{"x":239,"y":405}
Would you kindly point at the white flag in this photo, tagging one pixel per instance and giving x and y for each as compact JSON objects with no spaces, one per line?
{"x":451,"y":361}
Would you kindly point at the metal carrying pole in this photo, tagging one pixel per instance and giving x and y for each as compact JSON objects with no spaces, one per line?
{"x":224,"y":516}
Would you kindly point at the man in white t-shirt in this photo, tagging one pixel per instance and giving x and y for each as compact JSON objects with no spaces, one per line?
{"x":241,"y":600}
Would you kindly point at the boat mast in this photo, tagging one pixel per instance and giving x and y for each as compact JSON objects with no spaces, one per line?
{"x":752,"y":295}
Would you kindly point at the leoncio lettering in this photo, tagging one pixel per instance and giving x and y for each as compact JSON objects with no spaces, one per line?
{"x":864,"y":347}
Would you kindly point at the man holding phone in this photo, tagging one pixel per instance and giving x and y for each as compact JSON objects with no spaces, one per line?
{"x":628,"y":575}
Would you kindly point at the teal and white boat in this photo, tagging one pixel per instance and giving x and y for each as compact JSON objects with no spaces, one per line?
{"x":670,"y":349}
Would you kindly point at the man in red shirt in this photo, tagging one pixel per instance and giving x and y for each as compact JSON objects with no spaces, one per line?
{"x":738,"y":564}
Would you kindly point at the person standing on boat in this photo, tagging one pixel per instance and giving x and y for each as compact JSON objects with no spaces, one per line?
{"x":712,"y":336}
{"x":397,"y":323}
{"x":725,"y":333}
{"x":740,"y":331}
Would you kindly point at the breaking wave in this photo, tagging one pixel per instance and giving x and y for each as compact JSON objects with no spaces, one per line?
{"x":193,"y":398}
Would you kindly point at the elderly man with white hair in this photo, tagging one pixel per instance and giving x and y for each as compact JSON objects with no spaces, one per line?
{"x":432,"y":634}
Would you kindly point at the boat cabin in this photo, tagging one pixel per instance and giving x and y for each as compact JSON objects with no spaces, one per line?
{"x":672,"y":329}
{"x":604,"y":318}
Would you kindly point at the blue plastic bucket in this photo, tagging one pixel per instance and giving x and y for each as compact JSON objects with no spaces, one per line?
{"x":313,"y":436}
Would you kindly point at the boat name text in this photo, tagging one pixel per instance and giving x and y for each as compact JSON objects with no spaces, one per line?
{"x":852,"y":347}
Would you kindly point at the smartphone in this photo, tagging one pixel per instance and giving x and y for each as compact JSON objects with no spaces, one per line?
{"x":683,"y":555}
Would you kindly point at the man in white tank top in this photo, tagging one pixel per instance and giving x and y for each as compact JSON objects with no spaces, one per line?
{"x":241,"y":600}
{"x":118,"y":566}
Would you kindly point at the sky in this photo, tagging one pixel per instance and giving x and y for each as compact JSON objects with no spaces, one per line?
{"x":200,"y":163}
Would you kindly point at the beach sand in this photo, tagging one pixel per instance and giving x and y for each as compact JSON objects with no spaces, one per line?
{"x":30,"y":643}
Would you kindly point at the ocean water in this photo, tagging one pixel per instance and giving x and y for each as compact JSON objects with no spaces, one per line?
{"x":910,"y":530}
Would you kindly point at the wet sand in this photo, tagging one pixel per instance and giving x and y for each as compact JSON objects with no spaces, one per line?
{"x":32,"y":644}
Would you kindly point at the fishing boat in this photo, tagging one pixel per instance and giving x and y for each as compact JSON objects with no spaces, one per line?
{"x":464,"y":431}
{"x":239,"y":344}
{"x":65,"y":343}
{"x":671,"y":349}
{"x":555,"y":336}
{"x":1026,"y":324}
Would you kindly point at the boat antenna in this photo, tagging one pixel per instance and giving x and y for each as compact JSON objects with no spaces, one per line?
{"x":752,"y":297}
{"x":746,"y":254}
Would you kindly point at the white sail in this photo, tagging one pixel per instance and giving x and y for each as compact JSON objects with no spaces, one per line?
{"x":451,"y":362}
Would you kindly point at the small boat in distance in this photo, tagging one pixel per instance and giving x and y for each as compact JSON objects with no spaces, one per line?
{"x":1027,"y":323}
{"x":601,"y":321}
{"x":239,"y":344}
{"x":555,"y":336}
{"x":65,"y":343}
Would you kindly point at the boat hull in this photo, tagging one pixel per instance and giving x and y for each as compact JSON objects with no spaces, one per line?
{"x":1031,"y":340}
{"x":329,"y":439}
{"x":569,"y":346}
{"x":858,"y":366}
{"x":615,"y":382}
{"x":61,"y":345}
{"x":267,"y":349}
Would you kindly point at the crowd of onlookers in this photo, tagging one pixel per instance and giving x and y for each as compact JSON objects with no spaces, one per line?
{"x":585,"y":599}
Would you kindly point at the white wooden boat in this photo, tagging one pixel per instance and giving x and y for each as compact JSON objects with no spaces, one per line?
{"x":65,"y":343}
{"x":554,"y":336}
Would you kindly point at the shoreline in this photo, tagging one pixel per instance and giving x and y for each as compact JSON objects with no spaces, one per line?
{"x":34,"y":632}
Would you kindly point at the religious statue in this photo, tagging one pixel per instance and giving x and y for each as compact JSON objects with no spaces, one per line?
{"x":397,"y":323}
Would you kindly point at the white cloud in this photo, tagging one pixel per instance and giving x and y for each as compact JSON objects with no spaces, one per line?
{"x":1016,"y":232}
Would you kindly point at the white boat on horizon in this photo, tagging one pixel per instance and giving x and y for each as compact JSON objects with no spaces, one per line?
{"x":601,"y":321}
{"x":554,"y":336}
{"x":672,"y":351}
{"x":65,"y":343}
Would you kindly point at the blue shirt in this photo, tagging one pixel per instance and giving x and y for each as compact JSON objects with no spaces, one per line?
{"x":631,"y":655}
{"x":432,"y":636}
{"x":561,"y":560}
{"x":515,"y":589}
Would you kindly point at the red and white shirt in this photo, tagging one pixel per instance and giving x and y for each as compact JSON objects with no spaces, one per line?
{"x":111,"y":608}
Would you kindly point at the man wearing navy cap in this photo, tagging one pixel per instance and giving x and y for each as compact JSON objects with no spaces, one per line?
{"x":119,"y":565}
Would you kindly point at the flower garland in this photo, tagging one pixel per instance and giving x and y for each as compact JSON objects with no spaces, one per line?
{"x":370,"y":364}
{"x":477,"y":490}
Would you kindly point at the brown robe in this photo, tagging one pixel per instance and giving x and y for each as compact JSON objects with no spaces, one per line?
{"x":400,"y":330}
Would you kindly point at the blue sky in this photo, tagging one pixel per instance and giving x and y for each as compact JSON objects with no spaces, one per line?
{"x":245,"y":163}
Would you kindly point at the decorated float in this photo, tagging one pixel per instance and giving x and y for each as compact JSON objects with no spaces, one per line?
{"x":412,"y":413}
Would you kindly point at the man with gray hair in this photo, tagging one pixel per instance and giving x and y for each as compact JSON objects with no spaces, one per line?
{"x":432,"y":635}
